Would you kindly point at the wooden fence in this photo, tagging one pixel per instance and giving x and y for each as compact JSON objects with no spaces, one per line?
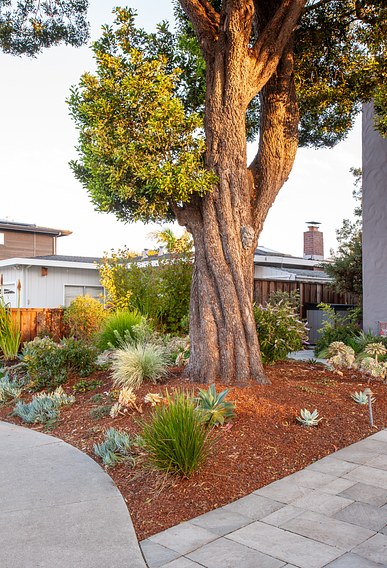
{"x":310,"y":293}
{"x":35,"y":321}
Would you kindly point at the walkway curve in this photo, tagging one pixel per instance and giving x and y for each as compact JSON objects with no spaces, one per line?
{"x":59,"y":508}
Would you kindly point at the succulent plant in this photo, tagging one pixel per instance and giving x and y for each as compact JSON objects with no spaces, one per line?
{"x":341,"y":355}
{"x":9,"y":389}
{"x":375,"y":349}
{"x":213,"y":406}
{"x":337,"y":348}
{"x":308,"y":418}
{"x":116,"y":447}
{"x":127,"y":397}
{"x":43,"y":407}
{"x":153,"y":398}
{"x":361,"y":398}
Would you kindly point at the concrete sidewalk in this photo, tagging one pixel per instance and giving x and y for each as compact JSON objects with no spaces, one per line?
{"x":333,"y":513}
{"x":58,"y":508}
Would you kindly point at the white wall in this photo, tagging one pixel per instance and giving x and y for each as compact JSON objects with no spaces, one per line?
{"x":374,"y":224}
{"x":39,"y":291}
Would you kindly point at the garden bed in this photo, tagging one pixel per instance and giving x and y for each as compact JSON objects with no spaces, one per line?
{"x":263,"y":443}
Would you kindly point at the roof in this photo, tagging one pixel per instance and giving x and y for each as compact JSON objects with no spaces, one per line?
{"x":56,"y":261}
{"x":30,"y":228}
{"x":302,"y":274}
{"x":69,"y":258}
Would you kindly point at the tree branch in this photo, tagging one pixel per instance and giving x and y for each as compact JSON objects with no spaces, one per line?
{"x":272,"y":39}
{"x":205,"y":21}
{"x":278,"y":139}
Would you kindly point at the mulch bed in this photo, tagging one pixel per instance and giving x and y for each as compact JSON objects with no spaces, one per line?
{"x":264,"y":442}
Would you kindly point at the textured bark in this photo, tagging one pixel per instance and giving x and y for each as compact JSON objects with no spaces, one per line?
{"x":226,"y":223}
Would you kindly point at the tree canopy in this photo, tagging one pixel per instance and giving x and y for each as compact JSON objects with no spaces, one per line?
{"x":28,"y":26}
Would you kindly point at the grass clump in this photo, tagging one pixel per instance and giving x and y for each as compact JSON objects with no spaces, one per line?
{"x":43,"y":407}
{"x":119,"y":327}
{"x":175,"y":436}
{"x":134,"y":364}
{"x":116,"y":447}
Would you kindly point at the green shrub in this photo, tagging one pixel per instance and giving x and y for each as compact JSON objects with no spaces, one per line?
{"x":43,"y":407}
{"x":118,"y":328}
{"x":79,"y":356}
{"x":213,"y":406}
{"x":116,"y":447}
{"x":84,"y":317}
{"x":100,"y":412}
{"x":279,"y":331}
{"x":175,"y":437}
{"x":337,"y":327}
{"x":161,"y":293}
{"x":45,"y":363}
{"x":85,"y":386}
{"x":134,"y":364}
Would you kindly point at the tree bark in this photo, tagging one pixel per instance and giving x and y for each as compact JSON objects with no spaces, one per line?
{"x":226,"y":223}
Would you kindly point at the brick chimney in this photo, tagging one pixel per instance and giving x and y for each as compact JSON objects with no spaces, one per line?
{"x":313,"y":242}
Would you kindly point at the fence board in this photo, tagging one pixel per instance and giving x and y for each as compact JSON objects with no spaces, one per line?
{"x":35,"y":321}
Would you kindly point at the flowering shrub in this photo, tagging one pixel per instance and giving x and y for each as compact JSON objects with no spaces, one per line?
{"x":84,"y":317}
{"x":279,"y":331}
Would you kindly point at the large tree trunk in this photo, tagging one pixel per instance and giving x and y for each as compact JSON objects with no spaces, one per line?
{"x":226,"y":223}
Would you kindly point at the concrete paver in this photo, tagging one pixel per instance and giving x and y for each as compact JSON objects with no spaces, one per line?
{"x":374,"y":549}
{"x":286,"y":546}
{"x":253,"y":506}
{"x":366,"y":494}
{"x":328,"y":530}
{"x":224,"y":553}
{"x":184,"y":538}
{"x":364,"y":515}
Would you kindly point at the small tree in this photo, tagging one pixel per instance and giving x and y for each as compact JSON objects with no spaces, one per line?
{"x":346,"y":265}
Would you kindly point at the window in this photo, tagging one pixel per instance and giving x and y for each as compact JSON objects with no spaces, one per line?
{"x":1,"y":238}
{"x":71,"y":292}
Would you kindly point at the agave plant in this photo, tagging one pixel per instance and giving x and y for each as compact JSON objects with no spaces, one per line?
{"x":308,"y":418}
{"x":213,"y":406}
{"x":361,"y":397}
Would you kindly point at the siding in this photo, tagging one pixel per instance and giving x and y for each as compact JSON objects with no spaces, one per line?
{"x":19,"y":244}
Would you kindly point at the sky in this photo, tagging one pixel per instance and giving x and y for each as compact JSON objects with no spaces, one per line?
{"x":39,"y":139}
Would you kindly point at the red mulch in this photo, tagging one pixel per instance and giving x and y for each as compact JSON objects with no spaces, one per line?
{"x":264,"y":443}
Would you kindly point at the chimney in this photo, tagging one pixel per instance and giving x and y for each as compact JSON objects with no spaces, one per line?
{"x":313,"y":242}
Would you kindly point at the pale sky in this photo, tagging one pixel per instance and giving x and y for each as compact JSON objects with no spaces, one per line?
{"x":39,"y":137}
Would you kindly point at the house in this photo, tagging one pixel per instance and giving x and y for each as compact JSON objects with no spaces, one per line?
{"x":52,"y":280}
{"x":26,"y":240}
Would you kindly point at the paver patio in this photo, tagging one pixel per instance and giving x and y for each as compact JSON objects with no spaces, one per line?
{"x":331,"y":514}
